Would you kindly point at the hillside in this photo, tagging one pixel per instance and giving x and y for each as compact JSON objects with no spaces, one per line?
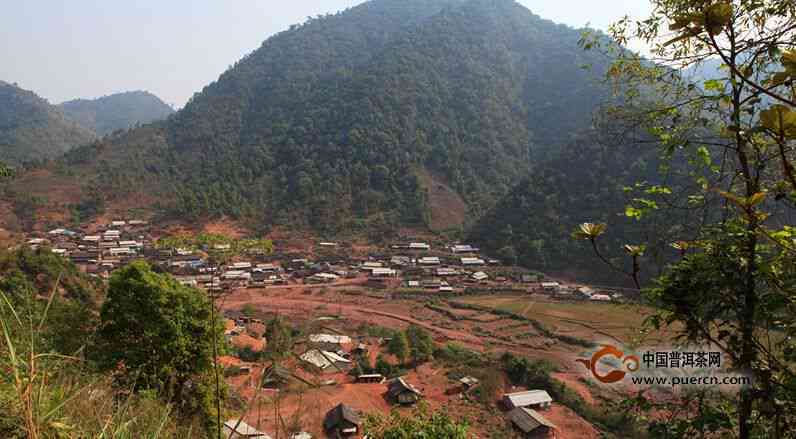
{"x":337,"y":119}
{"x":32,"y":129}
{"x":118,"y":111}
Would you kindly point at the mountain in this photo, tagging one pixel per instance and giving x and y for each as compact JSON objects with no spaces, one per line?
{"x":117,"y":111}
{"x":364,"y":113}
{"x":32,"y":129}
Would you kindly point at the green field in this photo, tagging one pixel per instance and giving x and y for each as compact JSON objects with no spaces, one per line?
{"x":587,"y":320}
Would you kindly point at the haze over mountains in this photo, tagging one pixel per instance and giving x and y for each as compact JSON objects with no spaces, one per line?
{"x":361,"y":112}
{"x":412,"y":112}
{"x":33,"y":129}
{"x":118,"y":111}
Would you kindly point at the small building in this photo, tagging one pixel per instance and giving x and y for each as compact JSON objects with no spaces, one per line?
{"x":468,"y":382}
{"x":400,"y":261}
{"x":383,"y":272}
{"x":419,"y":246}
{"x":342,"y":421}
{"x":445,"y":287}
{"x":328,"y":244}
{"x":470,"y":262}
{"x":371,"y":378}
{"x":276,"y":376}
{"x":529,"y":423}
{"x":463,"y":248}
{"x":600,"y":298}
{"x":537,"y":399}
{"x":551,"y":286}
{"x":446,"y":271}
{"x":430,"y":260}
{"x":403,"y":393}
{"x":322,"y":278}
{"x":334,"y":341}
{"x":479,"y":276}
{"x":241,"y":266}
{"x":237,"y":429}
{"x":326,"y":360}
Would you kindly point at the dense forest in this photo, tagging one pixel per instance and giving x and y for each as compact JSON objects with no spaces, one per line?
{"x":32,"y":129}
{"x":333,"y":121}
{"x":118,"y":111}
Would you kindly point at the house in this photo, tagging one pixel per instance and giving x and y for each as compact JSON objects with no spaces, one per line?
{"x":431,"y":260}
{"x":328,"y":244}
{"x":236,"y":275}
{"x":276,"y":376}
{"x":402,"y":392}
{"x":342,"y":421}
{"x":371,"y":378}
{"x":400,"y":261}
{"x":468,"y":382}
{"x":301,"y":435}
{"x":431,"y":284}
{"x":464,"y":248}
{"x":529,"y":423}
{"x":237,"y":429}
{"x":241,"y":266}
{"x":383,"y":272}
{"x":600,"y":298}
{"x":445,"y":287}
{"x":445,"y":271}
{"x":331,"y":342}
{"x":531,"y":398}
{"x":469,"y":262}
{"x":419,"y":246}
{"x":479,"y":276}
{"x":551,"y":286}
{"x":413,"y":284}
{"x":325,"y":360}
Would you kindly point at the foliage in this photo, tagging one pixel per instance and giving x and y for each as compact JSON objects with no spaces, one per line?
{"x":157,"y":334}
{"x":399,"y":346}
{"x":118,"y":111}
{"x":421,"y":345}
{"x":279,"y":336}
{"x":332,"y":122}
{"x":733,"y":285}
{"x":31,"y":129}
{"x":420,"y":423}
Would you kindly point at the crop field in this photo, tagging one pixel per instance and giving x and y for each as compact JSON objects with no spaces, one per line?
{"x":598,"y":322}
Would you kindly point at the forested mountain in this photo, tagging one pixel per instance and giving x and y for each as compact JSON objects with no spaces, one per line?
{"x":338,"y":118}
{"x":32,"y":129}
{"x":117,"y":111}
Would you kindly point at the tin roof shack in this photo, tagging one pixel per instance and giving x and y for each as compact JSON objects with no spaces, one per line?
{"x":326,"y":360}
{"x":235,"y":429}
{"x":463,"y":248}
{"x":330,"y":342}
{"x":342,"y":421}
{"x":537,"y":399}
{"x":472,"y":262}
{"x":530,"y":424}
{"x":551,"y":287}
{"x":402,"y":392}
{"x":277,"y":377}
{"x":429,"y":261}
{"x":468,"y":383}
{"x":370,"y":378}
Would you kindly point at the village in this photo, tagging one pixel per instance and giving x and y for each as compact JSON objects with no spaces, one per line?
{"x":343,"y":307}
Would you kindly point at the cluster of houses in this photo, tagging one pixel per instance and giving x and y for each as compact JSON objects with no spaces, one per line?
{"x":578,"y":293}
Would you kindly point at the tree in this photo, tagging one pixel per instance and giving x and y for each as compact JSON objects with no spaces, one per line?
{"x":421,"y":345}
{"x":399,"y":346}
{"x":733,"y":286}
{"x":279,"y":337}
{"x":156,"y":334}
{"x":421,"y":423}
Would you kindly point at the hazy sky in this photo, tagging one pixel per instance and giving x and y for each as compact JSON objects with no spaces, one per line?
{"x":65,"y":49}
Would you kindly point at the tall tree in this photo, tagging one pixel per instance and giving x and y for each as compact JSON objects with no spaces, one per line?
{"x":421,"y":345}
{"x":157,"y":334}
{"x":399,"y":346}
{"x":734,"y":284}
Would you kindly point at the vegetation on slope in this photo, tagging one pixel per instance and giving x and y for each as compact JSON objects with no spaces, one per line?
{"x":32,"y":129}
{"x":118,"y":111}
{"x":333,"y":120}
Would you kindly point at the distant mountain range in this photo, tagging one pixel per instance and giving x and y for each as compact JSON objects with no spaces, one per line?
{"x":33,"y":129}
{"x":118,"y":111}
{"x":367,"y":112}
{"x":470,"y":115}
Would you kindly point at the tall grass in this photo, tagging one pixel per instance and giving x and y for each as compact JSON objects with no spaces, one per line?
{"x":44,"y":394}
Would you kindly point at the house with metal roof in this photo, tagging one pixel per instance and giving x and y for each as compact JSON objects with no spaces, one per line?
{"x":235,"y":429}
{"x":342,"y":421}
{"x":529,"y":398}
{"x":529,"y":423}
{"x":402,"y":392}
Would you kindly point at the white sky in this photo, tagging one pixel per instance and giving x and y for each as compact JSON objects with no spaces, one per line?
{"x":65,"y":49}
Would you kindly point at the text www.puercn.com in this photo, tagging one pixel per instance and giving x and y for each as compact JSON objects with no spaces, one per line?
{"x":691,"y":380}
